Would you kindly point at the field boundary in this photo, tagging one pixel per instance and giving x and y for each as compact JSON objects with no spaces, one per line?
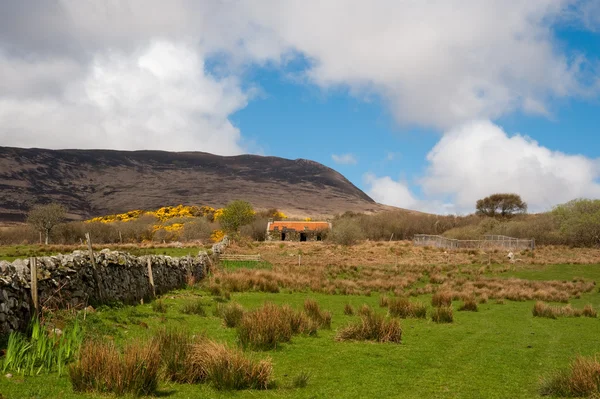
{"x":488,"y":242}
{"x":253,"y":258}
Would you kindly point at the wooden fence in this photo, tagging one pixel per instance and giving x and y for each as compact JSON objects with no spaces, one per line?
{"x":253,"y":258}
{"x":488,"y":242}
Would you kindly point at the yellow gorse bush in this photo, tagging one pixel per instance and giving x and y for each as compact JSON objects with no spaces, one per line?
{"x":217,"y":235}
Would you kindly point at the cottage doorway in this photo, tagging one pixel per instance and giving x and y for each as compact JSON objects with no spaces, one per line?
{"x":302,"y":236}
{"x":282,"y":236}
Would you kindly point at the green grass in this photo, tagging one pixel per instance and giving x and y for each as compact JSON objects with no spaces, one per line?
{"x":500,"y":351}
{"x":12,"y":252}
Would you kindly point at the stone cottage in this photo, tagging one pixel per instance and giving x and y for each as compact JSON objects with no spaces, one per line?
{"x":296,"y":230}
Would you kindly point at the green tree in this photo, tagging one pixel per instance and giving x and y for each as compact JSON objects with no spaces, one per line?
{"x":579,"y":221}
{"x":44,"y":217}
{"x":503,"y":205}
{"x":235,"y":215}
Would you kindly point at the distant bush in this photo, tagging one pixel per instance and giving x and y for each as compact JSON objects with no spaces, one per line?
{"x":256,"y":230}
{"x":346,"y":232}
{"x":198,"y":229}
{"x":579,"y":222}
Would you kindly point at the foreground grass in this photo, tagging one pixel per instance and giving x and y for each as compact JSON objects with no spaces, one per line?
{"x":498,"y":352}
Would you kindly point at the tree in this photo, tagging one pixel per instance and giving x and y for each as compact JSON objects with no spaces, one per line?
{"x":503,"y":205}
{"x":579,"y":221}
{"x":44,"y":217}
{"x":235,"y":215}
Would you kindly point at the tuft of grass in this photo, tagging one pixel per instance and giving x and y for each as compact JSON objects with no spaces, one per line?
{"x":442,"y":314}
{"x":469,"y":304}
{"x":365,"y":310}
{"x":159,"y":306}
{"x":403,"y":308}
{"x":228,"y":368}
{"x":441,"y":298}
{"x":174,"y":346}
{"x":581,"y":379}
{"x":266,"y":327}
{"x":541,"y":309}
{"x":348,"y":310}
{"x":42,"y":351}
{"x":372,"y":327}
{"x":232,"y":314}
{"x":301,"y":380}
{"x":321,"y":317}
{"x":101,"y":368}
{"x":384,"y":301}
{"x":194,"y":307}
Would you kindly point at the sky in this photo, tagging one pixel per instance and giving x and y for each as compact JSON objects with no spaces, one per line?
{"x":423,"y":104}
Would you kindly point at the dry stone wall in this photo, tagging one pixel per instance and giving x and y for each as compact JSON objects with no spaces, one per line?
{"x":70,"y":281}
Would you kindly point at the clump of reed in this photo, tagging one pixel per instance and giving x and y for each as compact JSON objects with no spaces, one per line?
{"x":372,"y":327}
{"x":231,"y":313}
{"x":442,"y":314}
{"x":321,"y":317}
{"x":581,"y":379}
{"x":469,"y":304}
{"x":541,"y":309}
{"x":194,"y":307}
{"x":101,"y":368}
{"x":441,"y":298}
{"x":42,"y":351}
{"x":403,"y":308}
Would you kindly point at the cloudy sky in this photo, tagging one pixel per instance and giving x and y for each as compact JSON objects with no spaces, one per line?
{"x":424,"y":104}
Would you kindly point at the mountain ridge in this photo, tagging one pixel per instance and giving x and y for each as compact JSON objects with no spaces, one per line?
{"x":99,"y":182}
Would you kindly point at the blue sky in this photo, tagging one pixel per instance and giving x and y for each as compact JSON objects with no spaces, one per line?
{"x":423,"y":105}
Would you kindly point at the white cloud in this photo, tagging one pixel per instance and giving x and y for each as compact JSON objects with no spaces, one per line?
{"x":478,"y":159}
{"x":387,"y":191}
{"x":158,"y":97}
{"x":344,"y":159}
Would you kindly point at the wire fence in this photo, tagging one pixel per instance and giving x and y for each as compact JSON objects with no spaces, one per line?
{"x":488,"y":242}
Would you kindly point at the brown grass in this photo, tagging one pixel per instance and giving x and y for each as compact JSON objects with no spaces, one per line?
{"x":541,"y":309}
{"x":348,"y":310}
{"x":228,"y":368}
{"x":442,"y":298}
{"x":442,"y":314}
{"x":231,"y":313}
{"x":101,"y":368}
{"x":372,"y":327}
{"x":403,"y":308}
{"x":582,"y":378}
{"x":265,"y":328}
{"x":321,"y":317}
{"x":469,"y":304}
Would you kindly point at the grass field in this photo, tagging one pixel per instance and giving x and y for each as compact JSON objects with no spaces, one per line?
{"x":500,"y":351}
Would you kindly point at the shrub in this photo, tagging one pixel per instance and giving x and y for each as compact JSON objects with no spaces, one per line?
{"x":228,"y":368}
{"x":348,"y":310}
{"x":441,"y":298}
{"x":403,"y":308}
{"x":442,"y":314}
{"x":582,"y":378}
{"x":159,"y":306}
{"x":194,"y":307}
{"x":101,"y":368}
{"x":198,"y":229}
{"x":469,"y":304}
{"x":314,"y":312}
{"x":346,"y":232}
{"x":231,"y":314}
{"x":372,"y":327}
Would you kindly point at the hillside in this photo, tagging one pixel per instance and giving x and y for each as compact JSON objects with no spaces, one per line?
{"x":98,"y":182}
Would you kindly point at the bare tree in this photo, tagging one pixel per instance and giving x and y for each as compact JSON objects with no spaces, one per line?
{"x":44,"y":217}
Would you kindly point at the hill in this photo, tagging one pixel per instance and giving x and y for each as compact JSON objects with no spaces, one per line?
{"x":99,"y":182}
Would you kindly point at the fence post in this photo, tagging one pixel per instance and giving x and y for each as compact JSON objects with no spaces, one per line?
{"x":34,"y":287}
{"x":94,"y":270}
{"x":151,"y":277}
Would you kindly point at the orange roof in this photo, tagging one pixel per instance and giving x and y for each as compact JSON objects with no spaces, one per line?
{"x":298,"y":226}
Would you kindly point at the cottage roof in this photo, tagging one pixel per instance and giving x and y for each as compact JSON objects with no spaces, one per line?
{"x":298,"y":226}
